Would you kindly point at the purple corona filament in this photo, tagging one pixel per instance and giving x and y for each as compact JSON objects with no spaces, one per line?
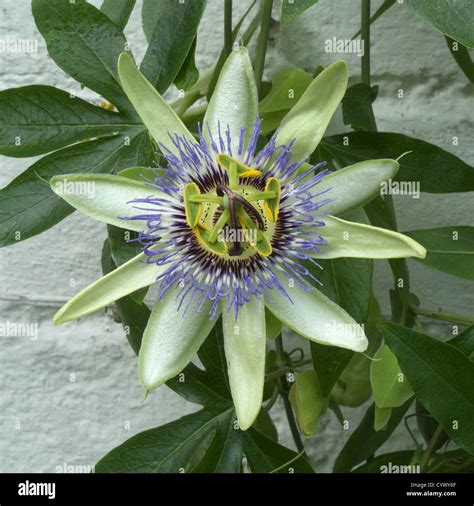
{"x":200,"y":274}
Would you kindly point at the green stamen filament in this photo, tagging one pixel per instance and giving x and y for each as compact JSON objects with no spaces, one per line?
{"x":260,"y":196}
{"x":207,"y":197}
{"x":220,"y":224}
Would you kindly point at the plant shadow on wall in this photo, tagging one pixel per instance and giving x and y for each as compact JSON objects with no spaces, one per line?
{"x":245,"y":218}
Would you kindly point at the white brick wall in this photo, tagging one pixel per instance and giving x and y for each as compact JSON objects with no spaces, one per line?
{"x":47,"y":418}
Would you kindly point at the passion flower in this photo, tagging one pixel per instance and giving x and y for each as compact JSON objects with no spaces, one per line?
{"x":229,"y":229}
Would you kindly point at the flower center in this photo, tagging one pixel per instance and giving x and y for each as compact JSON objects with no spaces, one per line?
{"x":234,"y":220}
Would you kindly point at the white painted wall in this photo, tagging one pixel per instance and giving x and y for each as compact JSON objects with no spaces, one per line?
{"x":72,"y":394}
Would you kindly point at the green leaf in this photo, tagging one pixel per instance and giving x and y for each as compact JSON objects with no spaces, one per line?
{"x":205,"y":441}
{"x":244,"y":344}
{"x":265,"y":425}
{"x":188,"y":74}
{"x":170,"y":448}
{"x":441,"y":376}
{"x":288,"y":85}
{"x":357,"y":106}
{"x":272,"y":325}
{"x":307,"y":120}
{"x":449,"y":249}
{"x":389,"y":384}
{"x":465,"y":342}
{"x":291,"y":9}
{"x":329,"y":362}
{"x":85,"y":43}
{"x":234,"y":103}
{"x":357,"y":240}
{"x":38,"y":119}
{"x":382,"y":463}
{"x":169,"y":39}
{"x":143,"y":174}
{"x":425,"y":164}
{"x":155,"y":113}
{"x":365,"y":441}
{"x":428,"y":425}
{"x":28,"y":206}
{"x":118,"y":11}
{"x":381,"y":10}
{"x":104,"y":197}
{"x":308,"y":401}
{"x":381,"y":417}
{"x":348,"y":282}
{"x":352,"y":387}
{"x":451,"y":17}
{"x":122,"y":245}
{"x":462,"y":57}
{"x":271,"y":121}
{"x":133,"y":315}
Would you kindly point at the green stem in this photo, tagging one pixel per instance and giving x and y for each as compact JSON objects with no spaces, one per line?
{"x":365,"y":60}
{"x":440,"y":315}
{"x":248,"y":34}
{"x":227,"y":27}
{"x":260,"y":196}
{"x":398,"y":266}
{"x":429,"y":449}
{"x":223,"y":219}
{"x":284,"y":393}
{"x":365,"y":33}
{"x":284,"y":370}
{"x":261,"y":50}
{"x":206,"y":197}
{"x":183,"y":104}
{"x":191,"y":117}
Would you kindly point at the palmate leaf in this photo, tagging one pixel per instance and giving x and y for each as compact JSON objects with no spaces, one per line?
{"x":206,"y":441}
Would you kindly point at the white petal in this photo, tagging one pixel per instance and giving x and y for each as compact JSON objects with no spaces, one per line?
{"x":104,"y":197}
{"x":152,"y":108}
{"x":130,"y":276}
{"x":234,"y":101}
{"x":312,"y":315}
{"x":350,"y":239}
{"x":355,"y":185}
{"x":308,"y":118}
{"x":244,"y":344}
{"x":171,"y":339}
